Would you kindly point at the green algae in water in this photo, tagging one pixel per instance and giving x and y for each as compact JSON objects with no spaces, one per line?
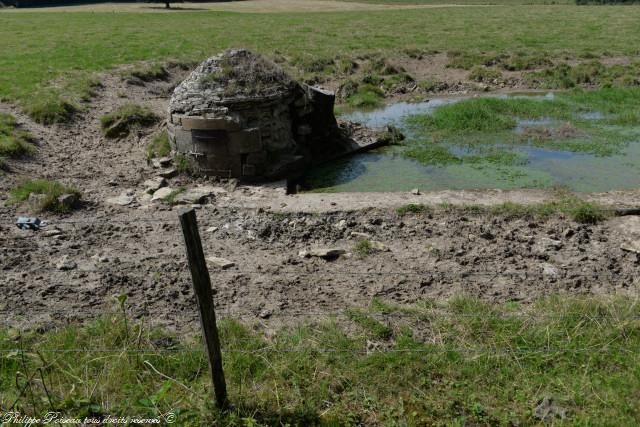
{"x":587,"y":141}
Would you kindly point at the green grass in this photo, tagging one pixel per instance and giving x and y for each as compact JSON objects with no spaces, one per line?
{"x":49,"y":107}
{"x":461,"y":362}
{"x":148,"y":72}
{"x":171,"y":198}
{"x":373,"y":327}
{"x":579,"y":210}
{"x":57,"y":101}
{"x":474,"y":123}
{"x":124,"y":119}
{"x":486,"y":115}
{"x":496,"y":157}
{"x":432,"y":154}
{"x":51,"y":191}
{"x":14,"y":142}
{"x":159,"y":146}
{"x":363,"y":248}
{"x":184,"y":164}
{"x":411,"y":208}
{"x":510,"y":61}
{"x":467,"y":60}
{"x":366,"y":95}
{"x":470,"y":2}
{"x":40,"y":49}
{"x":484,"y":75}
{"x":525,"y":61}
{"x":590,"y":74}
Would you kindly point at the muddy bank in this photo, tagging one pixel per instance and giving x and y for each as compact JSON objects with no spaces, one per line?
{"x":76,"y":267}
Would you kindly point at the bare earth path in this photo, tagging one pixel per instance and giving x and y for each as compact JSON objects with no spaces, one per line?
{"x":76,"y":267}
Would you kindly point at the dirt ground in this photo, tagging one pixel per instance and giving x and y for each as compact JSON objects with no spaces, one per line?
{"x":78,"y":265}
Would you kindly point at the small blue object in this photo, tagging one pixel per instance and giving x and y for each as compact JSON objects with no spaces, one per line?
{"x":30,"y":223}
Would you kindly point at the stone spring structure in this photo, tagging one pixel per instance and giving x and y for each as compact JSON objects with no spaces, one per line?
{"x":240,"y":116}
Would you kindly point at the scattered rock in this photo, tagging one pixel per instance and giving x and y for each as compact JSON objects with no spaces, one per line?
{"x":546,"y":411}
{"x":122,"y":200}
{"x":198,"y":195}
{"x":168,"y":173}
{"x":415,"y":192}
{"x":65,"y":264}
{"x":265,"y":314}
{"x":360,"y":236}
{"x":379,"y":246}
{"x":221,"y":262}
{"x":631,"y":246}
{"x":212,"y":229}
{"x":341,"y":225}
{"x":145,"y":197}
{"x":195,"y":195}
{"x":487,"y":235}
{"x":52,"y":232}
{"x":100,"y":258}
{"x":161,"y":194}
{"x":550,"y":270}
{"x":154,"y":184}
{"x":545,"y":245}
{"x":68,"y":200}
{"x":161,"y":162}
{"x":326,"y":253}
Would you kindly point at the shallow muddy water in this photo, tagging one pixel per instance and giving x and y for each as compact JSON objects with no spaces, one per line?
{"x":390,"y":169}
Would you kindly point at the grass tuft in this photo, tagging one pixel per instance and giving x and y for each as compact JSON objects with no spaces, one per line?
{"x":589,"y":75}
{"x":14,"y":142}
{"x":184,"y":164}
{"x":579,"y":210}
{"x":484,"y":75}
{"x":159,"y":146}
{"x":377,"y":329}
{"x":148,"y":72}
{"x":432,"y":154}
{"x":366,"y":95}
{"x":120,"y":122}
{"x":171,"y":198}
{"x":411,"y":208}
{"x":48,"y":192}
{"x":485,"y":114}
{"x":363,"y":247}
{"x":246,"y":74}
{"x":468,"y":60}
{"x":49,"y":109}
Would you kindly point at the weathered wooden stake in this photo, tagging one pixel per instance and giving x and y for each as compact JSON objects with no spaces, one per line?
{"x":204,"y":296}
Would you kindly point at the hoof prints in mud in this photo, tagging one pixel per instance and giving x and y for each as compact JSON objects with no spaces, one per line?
{"x":431,"y":255}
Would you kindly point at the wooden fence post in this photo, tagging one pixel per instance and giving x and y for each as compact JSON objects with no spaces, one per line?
{"x":204,"y":297}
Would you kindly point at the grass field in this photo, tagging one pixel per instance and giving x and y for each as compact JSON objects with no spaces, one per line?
{"x":47,"y":56}
{"x":469,"y":2}
{"x":468,"y":364}
{"x":450,"y":363}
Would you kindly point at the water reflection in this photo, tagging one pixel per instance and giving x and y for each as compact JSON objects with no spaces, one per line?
{"x":388,"y":170}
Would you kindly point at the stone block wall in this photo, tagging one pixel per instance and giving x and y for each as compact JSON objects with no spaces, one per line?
{"x":242,"y":144}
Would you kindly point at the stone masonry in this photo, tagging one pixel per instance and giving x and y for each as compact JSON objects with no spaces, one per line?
{"x":239,"y":115}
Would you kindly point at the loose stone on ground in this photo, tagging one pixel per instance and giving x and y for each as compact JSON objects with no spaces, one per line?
{"x":222,"y":263}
